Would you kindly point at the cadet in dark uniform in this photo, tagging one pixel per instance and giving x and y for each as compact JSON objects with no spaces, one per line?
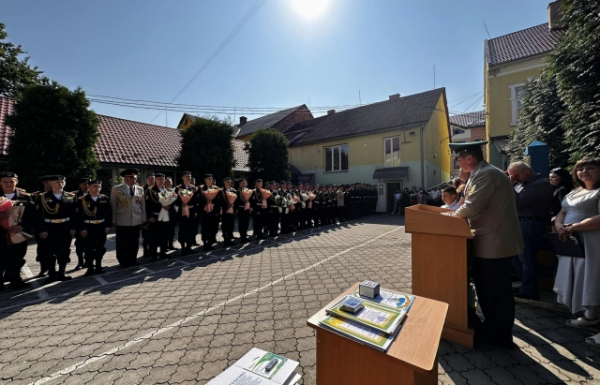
{"x":187,"y":223}
{"x":79,"y":247}
{"x":13,"y":256}
{"x":158,"y":231}
{"x":94,"y":217}
{"x":258,"y":218}
{"x":56,"y":226}
{"x":172,"y":217}
{"x":209,"y":220}
{"x":273,"y":207}
{"x":150,"y":182}
{"x":36,"y":201}
{"x":228,"y":221}
{"x":243,"y":213}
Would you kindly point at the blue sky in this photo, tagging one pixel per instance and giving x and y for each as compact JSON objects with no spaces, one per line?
{"x":151,"y":49}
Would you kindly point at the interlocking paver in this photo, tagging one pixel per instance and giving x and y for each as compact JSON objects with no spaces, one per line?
{"x":83,"y":318}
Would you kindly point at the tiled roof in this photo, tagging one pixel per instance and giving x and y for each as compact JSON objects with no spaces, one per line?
{"x":127,"y":142}
{"x":522,"y":44}
{"x":266,"y":121}
{"x":389,"y":114}
{"x":300,"y":126}
{"x":468,"y":120}
{"x":241,"y":156}
{"x":6,"y":108}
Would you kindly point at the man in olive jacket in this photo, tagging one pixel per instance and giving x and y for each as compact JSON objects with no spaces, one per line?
{"x":490,"y":209}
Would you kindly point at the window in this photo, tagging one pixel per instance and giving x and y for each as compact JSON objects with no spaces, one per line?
{"x":457,"y":131}
{"x":391,"y":152}
{"x":336,"y":158}
{"x":517,"y":92}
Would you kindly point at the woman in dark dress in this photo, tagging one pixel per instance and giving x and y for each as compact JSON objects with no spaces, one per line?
{"x":563,"y":184}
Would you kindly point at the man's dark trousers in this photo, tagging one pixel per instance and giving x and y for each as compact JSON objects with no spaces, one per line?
{"x":494,"y":292}
{"x":127,"y":244}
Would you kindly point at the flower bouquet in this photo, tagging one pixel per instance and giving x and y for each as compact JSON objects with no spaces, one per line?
{"x":210,"y":194}
{"x":311,"y":198}
{"x":246,"y":194}
{"x":266,"y":194}
{"x":231,"y":197}
{"x":10,"y":216}
{"x":185,"y":196}
{"x":291,"y":202}
{"x":166,"y":197}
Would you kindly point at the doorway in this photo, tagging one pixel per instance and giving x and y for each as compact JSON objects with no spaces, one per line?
{"x":391,"y":190}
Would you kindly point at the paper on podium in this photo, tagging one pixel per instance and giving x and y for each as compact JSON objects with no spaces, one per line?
{"x":426,"y":219}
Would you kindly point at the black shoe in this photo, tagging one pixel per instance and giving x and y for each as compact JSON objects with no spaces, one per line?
{"x":99,"y":270}
{"x":42,"y":274}
{"x":208,"y":247}
{"x":194,"y":243}
{"x":185,"y":251}
{"x":78,"y":267}
{"x":162,"y":255}
{"x":245,"y":240}
{"x":62,"y":277}
{"x":89,"y":272}
{"x":50,"y":279}
{"x":526,"y":296}
{"x":173,"y":248}
{"x":19,"y":285}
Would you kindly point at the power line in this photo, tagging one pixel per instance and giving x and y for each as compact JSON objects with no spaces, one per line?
{"x":220,"y":48}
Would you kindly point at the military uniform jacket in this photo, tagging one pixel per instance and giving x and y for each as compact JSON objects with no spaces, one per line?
{"x":256,"y":200}
{"x":491,"y":210}
{"x":53,"y":213}
{"x":153,"y":206}
{"x":28,"y":220}
{"x":239,"y":202}
{"x":128,"y":210}
{"x":94,"y":214}
{"x":224,"y":202}
{"x":192,"y":204}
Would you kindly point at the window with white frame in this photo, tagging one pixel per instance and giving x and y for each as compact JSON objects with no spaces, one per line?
{"x":457,"y":131}
{"x":517,"y":92}
{"x":391,"y":152}
{"x":336,"y":158}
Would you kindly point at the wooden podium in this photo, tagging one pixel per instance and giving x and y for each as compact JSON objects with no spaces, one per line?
{"x":439,"y":265}
{"x":410,"y":359}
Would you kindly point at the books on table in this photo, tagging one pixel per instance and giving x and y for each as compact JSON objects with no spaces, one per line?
{"x":377,"y":324}
{"x":383,"y":318}
{"x":251,"y":370}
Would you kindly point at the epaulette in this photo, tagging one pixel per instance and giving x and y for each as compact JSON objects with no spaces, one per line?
{"x":103,"y":196}
{"x":68,"y":193}
{"x":74,"y":192}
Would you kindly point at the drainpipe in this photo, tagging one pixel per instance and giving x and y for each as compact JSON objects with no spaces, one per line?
{"x":422,"y":157}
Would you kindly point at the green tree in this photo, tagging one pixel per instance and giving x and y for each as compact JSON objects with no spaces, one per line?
{"x":54,"y":133}
{"x":576,"y":63}
{"x":207,"y":148}
{"x":15,"y":73}
{"x":540,"y":120}
{"x":268,"y":155}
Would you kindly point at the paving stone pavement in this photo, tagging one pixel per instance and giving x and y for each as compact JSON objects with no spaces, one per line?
{"x":184,"y":320}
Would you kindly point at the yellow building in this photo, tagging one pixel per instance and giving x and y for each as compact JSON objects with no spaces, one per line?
{"x":401,"y":142}
{"x":510,"y":61}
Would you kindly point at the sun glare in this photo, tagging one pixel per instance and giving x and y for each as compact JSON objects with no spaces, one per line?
{"x":310,"y":9}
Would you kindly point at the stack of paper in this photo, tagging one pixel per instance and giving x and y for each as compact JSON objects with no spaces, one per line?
{"x":251,"y":370}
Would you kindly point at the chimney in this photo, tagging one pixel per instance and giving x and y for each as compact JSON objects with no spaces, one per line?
{"x":243,"y":120}
{"x":554,"y":15}
{"x":395,"y":97}
{"x":330,"y":112}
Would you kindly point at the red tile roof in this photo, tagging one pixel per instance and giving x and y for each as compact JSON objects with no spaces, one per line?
{"x":6,"y":108}
{"x":127,"y":142}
